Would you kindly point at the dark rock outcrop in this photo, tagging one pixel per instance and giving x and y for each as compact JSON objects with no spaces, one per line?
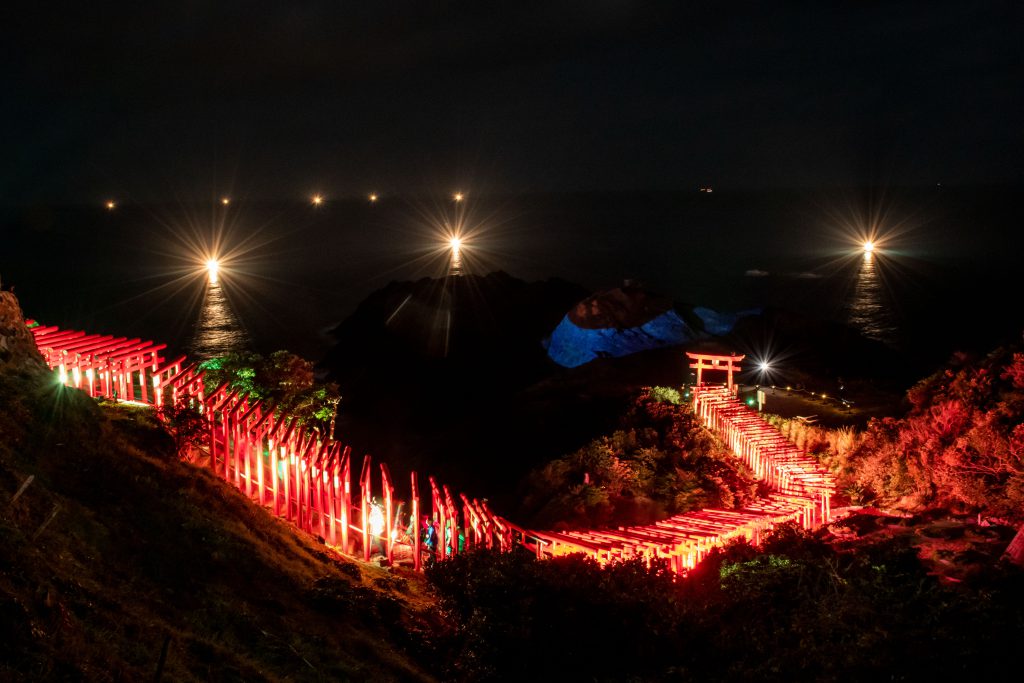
{"x":450,"y":376}
{"x":18,"y":352}
{"x":429,"y":370}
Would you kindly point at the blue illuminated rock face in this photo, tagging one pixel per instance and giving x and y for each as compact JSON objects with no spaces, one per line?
{"x":571,"y":345}
{"x":626,"y":320}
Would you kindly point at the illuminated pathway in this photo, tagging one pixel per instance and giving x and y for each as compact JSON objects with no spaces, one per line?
{"x":274,"y":460}
{"x":307,"y":479}
{"x":801,"y":492}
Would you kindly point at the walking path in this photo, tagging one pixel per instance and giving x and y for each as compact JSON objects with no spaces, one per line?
{"x":305,"y":478}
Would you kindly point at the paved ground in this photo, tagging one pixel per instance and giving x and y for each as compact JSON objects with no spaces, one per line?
{"x":829,"y":411}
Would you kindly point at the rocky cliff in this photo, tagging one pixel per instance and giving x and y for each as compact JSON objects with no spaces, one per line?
{"x":18,"y":352}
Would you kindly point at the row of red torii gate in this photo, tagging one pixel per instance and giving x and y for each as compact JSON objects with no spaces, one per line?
{"x":298,"y":474}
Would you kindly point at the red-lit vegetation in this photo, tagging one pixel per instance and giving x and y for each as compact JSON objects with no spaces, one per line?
{"x":662,"y":462}
{"x":960,"y":446}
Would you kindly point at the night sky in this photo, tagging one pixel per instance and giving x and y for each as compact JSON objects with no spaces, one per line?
{"x":275,"y":100}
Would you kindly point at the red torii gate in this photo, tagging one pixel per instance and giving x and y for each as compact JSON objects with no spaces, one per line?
{"x":276,"y":462}
{"x":112,"y":362}
{"x":310,"y":475}
{"x":709,"y":361}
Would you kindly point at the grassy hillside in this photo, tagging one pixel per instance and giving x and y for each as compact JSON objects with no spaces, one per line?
{"x":117,"y":551}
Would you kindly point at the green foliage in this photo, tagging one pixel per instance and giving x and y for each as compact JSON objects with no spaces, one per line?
{"x":665,"y":395}
{"x":749,"y":579}
{"x":238,"y":370}
{"x":283,"y":379}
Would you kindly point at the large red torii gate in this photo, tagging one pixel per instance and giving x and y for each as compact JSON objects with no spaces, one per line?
{"x":710,"y":361}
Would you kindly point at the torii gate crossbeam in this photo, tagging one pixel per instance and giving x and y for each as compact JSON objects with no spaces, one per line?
{"x":708,"y":361}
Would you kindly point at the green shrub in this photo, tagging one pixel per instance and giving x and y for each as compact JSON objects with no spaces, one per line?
{"x":665,"y":395}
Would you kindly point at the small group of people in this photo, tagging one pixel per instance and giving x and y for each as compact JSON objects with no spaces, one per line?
{"x":430,"y":532}
{"x":405,"y":527}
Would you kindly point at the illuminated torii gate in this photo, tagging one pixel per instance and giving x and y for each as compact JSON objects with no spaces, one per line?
{"x":301,"y":475}
{"x":275,"y":460}
{"x":707,"y":361}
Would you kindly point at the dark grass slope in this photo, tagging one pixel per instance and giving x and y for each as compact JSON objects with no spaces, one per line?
{"x":116,"y":551}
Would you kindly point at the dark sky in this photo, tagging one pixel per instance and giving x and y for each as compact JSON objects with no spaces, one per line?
{"x":280,"y":99}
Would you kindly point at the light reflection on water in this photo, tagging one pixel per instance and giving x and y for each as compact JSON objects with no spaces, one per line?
{"x":455,"y":264}
{"x":870,"y":312}
{"x":218,"y":330}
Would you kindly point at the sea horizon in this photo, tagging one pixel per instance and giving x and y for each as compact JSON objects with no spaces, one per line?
{"x":298,"y":270}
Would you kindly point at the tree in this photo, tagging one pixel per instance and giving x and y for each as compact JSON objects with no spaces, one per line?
{"x":959,"y":446}
{"x":662,"y":462}
{"x":285,"y":380}
{"x":186,"y":427}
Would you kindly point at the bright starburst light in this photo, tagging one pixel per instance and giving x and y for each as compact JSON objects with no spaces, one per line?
{"x":191,"y":250}
{"x":447,"y":238}
{"x":867,"y":248}
{"x":769,"y":361}
{"x":213,"y":270}
{"x":764,"y":370}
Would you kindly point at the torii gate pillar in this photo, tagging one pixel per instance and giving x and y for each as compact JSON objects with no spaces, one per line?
{"x":707,"y":361}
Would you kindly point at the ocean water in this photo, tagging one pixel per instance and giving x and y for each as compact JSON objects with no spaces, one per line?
{"x":941,"y":278}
